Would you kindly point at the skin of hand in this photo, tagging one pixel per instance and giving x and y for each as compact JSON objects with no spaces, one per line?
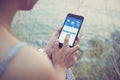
{"x":65,"y":56}
{"x":54,"y":53}
{"x":48,"y":49}
{"x":54,"y":44}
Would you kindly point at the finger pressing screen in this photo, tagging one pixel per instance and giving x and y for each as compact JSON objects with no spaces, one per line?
{"x":66,"y":41}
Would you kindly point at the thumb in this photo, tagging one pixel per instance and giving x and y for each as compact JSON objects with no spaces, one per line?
{"x":58,"y":32}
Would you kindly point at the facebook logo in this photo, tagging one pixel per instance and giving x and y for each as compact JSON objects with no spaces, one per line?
{"x":72,"y":22}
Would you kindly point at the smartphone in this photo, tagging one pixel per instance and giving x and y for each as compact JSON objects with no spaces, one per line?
{"x":71,"y":26}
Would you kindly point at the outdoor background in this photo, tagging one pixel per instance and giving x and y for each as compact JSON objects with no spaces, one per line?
{"x":99,"y":57}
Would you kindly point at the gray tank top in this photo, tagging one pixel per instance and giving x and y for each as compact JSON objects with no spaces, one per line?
{"x":10,"y":56}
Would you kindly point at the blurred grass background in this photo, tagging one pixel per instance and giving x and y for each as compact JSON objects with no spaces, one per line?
{"x":99,"y":57}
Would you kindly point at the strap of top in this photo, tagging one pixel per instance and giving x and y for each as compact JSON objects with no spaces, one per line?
{"x":10,"y":56}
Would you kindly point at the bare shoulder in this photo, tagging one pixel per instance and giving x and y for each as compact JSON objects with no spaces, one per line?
{"x":29,"y":64}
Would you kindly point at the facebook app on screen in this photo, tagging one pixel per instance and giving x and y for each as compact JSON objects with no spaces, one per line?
{"x":71,"y":27}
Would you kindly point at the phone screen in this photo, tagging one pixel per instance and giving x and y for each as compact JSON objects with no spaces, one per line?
{"x":71,"y":26}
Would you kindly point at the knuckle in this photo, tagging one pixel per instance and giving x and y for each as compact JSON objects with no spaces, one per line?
{"x":75,"y":59}
{"x":63,"y":50}
{"x":77,"y":47}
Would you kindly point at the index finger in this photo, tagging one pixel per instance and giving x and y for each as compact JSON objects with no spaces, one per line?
{"x":58,"y":31}
{"x":66,"y":41}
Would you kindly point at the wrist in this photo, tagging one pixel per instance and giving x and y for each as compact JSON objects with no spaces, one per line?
{"x":60,"y":69}
{"x":60,"y":72}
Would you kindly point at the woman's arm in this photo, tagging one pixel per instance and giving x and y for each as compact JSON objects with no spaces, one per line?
{"x":29,"y":64}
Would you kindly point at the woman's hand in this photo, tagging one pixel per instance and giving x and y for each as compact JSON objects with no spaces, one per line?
{"x":48,"y":49}
{"x":64,"y":57}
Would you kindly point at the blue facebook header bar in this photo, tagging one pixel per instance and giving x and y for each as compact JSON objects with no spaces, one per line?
{"x":72,"y":22}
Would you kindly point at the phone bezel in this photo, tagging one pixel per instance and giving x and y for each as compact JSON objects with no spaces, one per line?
{"x":76,"y":17}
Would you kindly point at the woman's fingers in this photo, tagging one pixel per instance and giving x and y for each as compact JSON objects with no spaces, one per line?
{"x":58,"y":32}
{"x":76,"y":42}
{"x":75,"y":48}
{"x":78,"y":39}
{"x":66,"y":41}
{"x":65,"y":56}
{"x":72,"y":60}
{"x":56,"y":46}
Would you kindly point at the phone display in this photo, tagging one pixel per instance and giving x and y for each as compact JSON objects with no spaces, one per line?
{"x":71,"y":26}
